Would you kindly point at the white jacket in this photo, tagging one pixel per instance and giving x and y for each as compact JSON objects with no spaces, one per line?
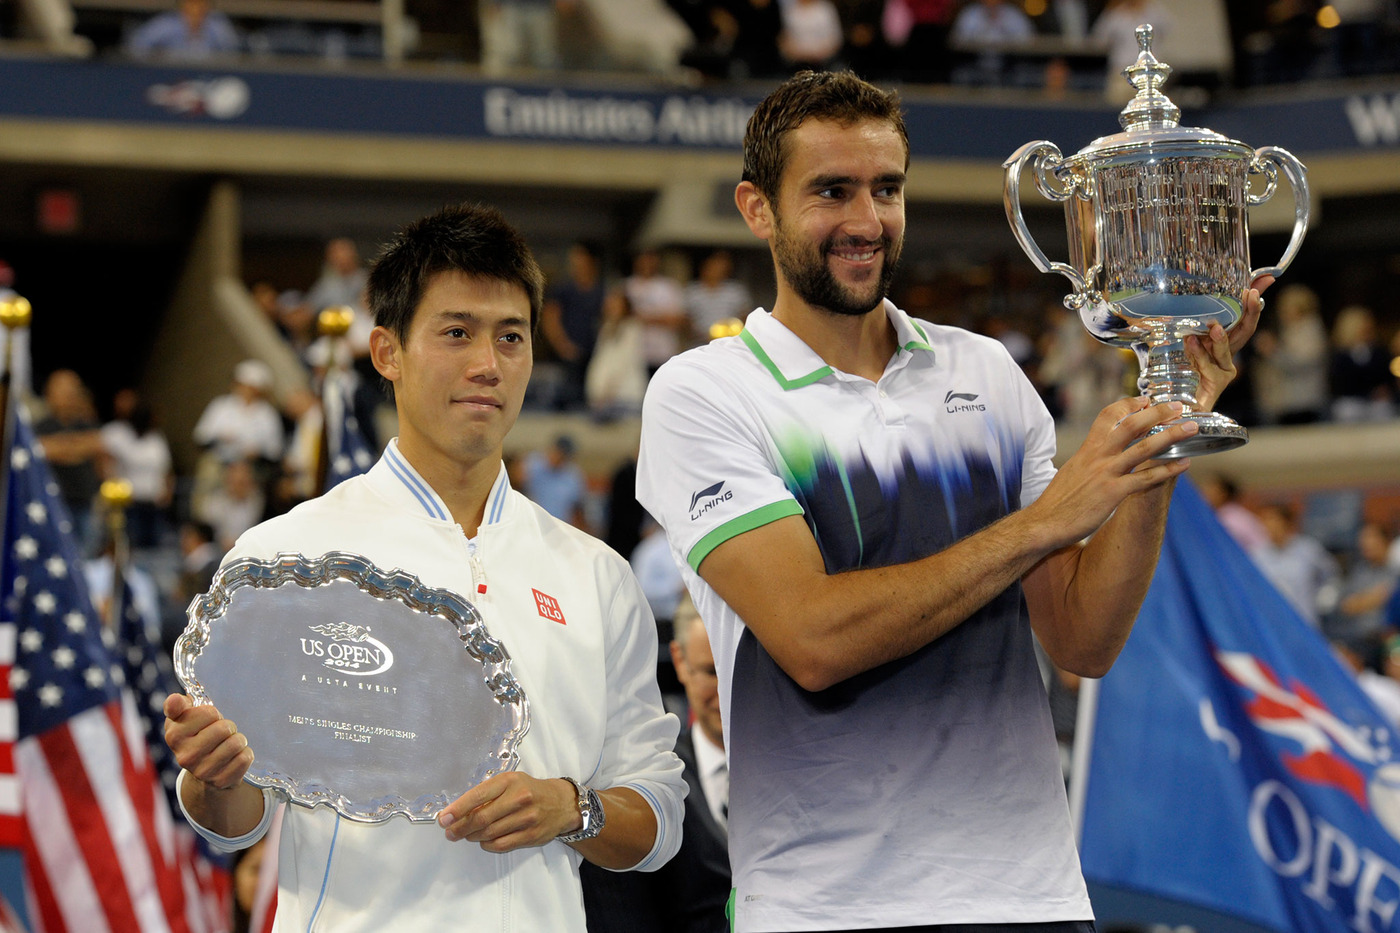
{"x":595,"y":710}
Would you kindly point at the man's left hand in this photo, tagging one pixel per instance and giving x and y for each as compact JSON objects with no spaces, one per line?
{"x":1212,"y":355}
{"x":512,"y":811}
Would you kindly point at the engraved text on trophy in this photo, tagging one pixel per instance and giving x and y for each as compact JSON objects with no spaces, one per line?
{"x":1173,"y":227}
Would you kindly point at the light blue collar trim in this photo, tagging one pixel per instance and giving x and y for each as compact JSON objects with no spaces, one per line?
{"x":417,"y":486}
{"x":401,"y":473}
{"x":500,"y":496}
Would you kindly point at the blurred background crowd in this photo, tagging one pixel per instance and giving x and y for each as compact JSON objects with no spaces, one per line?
{"x":1036,"y":43}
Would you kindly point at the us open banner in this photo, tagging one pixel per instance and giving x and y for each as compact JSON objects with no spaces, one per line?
{"x":1235,"y":764}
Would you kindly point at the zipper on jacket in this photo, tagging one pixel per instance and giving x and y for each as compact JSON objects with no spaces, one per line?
{"x":478,"y":569}
{"x":506,"y":863}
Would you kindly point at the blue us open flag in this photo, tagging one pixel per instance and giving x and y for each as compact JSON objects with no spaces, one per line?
{"x":1235,"y":764}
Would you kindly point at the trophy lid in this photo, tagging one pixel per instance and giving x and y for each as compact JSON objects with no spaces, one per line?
{"x":1150,"y":117}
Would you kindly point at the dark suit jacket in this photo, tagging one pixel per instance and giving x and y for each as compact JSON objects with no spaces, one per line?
{"x":686,"y":895}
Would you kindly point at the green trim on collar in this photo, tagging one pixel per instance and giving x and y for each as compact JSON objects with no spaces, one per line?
{"x":918,"y":344}
{"x":737,"y":526}
{"x":788,"y":384}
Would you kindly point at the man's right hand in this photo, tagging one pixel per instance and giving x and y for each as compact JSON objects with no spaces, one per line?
{"x":1116,"y":460}
{"x":206,"y":744}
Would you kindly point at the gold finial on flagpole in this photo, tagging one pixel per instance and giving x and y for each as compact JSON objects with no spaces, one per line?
{"x":116,"y":496}
{"x":729,"y":327}
{"x":15,"y":311}
{"x":335,"y":322}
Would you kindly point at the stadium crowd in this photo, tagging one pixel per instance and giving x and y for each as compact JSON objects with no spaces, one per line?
{"x":1054,"y":44}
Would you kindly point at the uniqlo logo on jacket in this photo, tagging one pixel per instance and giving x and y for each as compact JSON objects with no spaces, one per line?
{"x":548,"y":606}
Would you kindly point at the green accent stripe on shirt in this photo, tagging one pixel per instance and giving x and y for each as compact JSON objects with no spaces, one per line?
{"x":855,"y":512}
{"x":737,"y":526}
{"x":752,"y":343}
{"x":918,"y":344}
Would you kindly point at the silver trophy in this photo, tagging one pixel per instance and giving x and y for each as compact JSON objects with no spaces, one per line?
{"x":1158,"y":237}
{"x":359,"y":689}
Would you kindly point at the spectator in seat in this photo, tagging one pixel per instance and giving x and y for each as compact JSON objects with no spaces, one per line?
{"x":571,"y":318}
{"x":659,"y":303}
{"x":72,"y":443}
{"x":812,"y":35}
{"x":191,"y":31}
{"x":520,"y":33}
{"x":1360,"y":370}
{"x":715,"y":295}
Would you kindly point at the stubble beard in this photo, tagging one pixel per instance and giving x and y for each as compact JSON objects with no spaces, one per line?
{"x":808,"y":272}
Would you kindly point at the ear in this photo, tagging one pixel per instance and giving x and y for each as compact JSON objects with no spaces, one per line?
{"x":753,"y":207}
{"x":678,"y":661}
{"x":384,"y":352}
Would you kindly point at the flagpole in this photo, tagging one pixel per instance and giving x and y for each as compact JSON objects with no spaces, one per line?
{"x":333,"y":324}
{"x":116,"y":497}
{"x":15,"y":315}
{"x":1085,"y":719}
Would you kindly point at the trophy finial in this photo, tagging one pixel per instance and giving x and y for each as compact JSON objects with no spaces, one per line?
{"x":1150,"y":108}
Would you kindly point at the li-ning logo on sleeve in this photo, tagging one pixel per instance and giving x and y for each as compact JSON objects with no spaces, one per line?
{"x":968,"y":398}
{"x":708,"y":498}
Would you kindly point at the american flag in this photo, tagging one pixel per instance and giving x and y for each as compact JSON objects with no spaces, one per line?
{"x":149,"y":673}
{"x":81,"y":800}
{"x":350,"y":453}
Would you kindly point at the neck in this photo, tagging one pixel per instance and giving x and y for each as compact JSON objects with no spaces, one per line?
{"x":463,"y":486}
{"x":860,"y":345}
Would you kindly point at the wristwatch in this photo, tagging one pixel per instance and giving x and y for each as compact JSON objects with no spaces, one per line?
{"x":590,"y":807}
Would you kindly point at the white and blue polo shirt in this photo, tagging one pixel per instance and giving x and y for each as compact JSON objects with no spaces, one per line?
{"x":929,"y":789}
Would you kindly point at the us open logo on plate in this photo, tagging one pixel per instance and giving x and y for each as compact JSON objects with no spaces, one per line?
{"x":348,"y":649}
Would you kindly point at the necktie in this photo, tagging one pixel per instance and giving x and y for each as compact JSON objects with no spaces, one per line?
{"x":720,"y":805}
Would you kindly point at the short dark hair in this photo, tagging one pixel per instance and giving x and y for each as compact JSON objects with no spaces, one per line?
{"x":838,"y":96}
{"x":470,"y":238}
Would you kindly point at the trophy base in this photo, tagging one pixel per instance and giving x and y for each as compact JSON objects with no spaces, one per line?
{"x":1217,"y":433}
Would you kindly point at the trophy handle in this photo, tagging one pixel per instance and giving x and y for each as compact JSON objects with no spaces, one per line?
{"x":1269,"y":160}
{"x":1047,"y":157}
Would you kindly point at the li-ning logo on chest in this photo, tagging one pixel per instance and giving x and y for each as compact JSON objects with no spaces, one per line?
{"x":955,"y":402}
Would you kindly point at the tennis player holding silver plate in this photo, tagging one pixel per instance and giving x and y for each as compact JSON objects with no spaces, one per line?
{"x":326,"y":663}
{"x":369,"y":684}
{"x":1159,"y":237}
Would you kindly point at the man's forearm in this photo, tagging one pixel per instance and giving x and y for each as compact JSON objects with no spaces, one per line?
{"x":229,"y":813}
{"x":848,"y":623}
{"x":1097,"y":590}
{"x":629,"y":831}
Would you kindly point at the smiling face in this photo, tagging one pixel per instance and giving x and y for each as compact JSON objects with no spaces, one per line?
{"x":460,"y":372}
{"x":836,"y":227}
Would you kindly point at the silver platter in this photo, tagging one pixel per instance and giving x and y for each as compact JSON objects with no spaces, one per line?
{"x":358,"y":688}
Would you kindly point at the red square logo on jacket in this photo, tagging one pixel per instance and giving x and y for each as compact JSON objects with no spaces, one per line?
{"x":548,"y":606}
